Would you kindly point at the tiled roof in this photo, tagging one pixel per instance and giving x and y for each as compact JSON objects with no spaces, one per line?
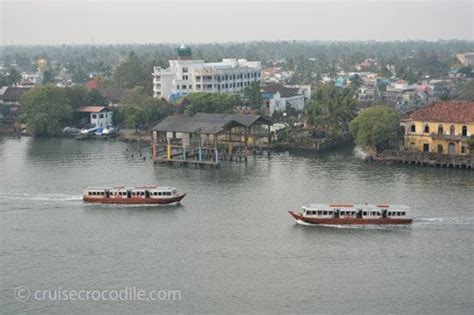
{"x":91,"y":109}
{"x":13,"y":93}
{"x":208,"y":123}
{"x":92,"y":84}
{"x":112,"y":94}
{"x":461,"y":112}
{"x":284,"y":91}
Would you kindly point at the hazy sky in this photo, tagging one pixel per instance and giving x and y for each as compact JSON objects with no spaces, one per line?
{"x":57,"y":22}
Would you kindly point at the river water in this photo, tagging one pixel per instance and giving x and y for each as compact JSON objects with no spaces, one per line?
{"x":231,"y":246}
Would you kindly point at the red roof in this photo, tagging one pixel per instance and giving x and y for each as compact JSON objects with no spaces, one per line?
{"x":92,"y":84}
{"x":461,"y":112}
{"x":91,"y":109}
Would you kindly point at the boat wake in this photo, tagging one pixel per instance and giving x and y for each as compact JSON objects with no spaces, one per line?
{"x":39,"y":197}
{"x":444,"y":221}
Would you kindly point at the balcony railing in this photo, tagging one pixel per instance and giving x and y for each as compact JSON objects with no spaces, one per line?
{"x":448,"y":137}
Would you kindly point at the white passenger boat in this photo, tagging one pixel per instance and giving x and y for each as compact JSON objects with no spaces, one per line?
{"x":133,"y":195}
{"x":357,"y":214}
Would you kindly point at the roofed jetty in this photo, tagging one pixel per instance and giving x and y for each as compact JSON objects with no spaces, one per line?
{"x":207,"y":139}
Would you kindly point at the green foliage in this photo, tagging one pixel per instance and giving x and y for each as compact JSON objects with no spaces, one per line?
{"x":78,"y":75}
{"x":134,"y":96}
{"x":376,"y":128}
{"x":466,"y":91}
{"x":331,"y":110}
{"x":95,"y":98}
{"x":48,"y":76}
{"x":133,"y":72}
{"x":134,"y":116}
{"x":10,"y":78}
{"x":78,"y":96}
{"x":150,"y":110}
{"x":211,"y":103}
{"x":470,"y":143}
{"x":253,"y":96}
{"x":45,"y":109}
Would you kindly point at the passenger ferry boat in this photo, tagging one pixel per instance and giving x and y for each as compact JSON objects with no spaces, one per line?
{"x":356,"y":214}
{"x":133,"y":195}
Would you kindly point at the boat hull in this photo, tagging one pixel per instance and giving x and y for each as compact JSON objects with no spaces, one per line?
{"x":349,"y":220}
{"x":136,"y":201}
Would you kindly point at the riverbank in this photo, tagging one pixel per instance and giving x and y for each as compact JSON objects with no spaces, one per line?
{"x":425,"y":159}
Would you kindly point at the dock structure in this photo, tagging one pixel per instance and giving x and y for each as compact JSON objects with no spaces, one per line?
{"x":427,"y":159}
{"x":207,"y":139}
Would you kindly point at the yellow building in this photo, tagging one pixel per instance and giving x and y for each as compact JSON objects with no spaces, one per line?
{"x":443,"y":127}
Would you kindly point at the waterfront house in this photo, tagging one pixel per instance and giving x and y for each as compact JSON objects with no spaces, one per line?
{"x":276,"y":97}
{"x":100,"y":116}
{"x":11,"y":94}
{"x":442,"y":127}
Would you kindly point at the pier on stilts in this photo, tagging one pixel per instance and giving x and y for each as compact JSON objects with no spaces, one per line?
{"x":208,"y":139}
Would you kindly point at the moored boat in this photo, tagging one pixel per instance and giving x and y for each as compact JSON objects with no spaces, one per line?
{"x":133,"y":195}
{"x":354,"y":214}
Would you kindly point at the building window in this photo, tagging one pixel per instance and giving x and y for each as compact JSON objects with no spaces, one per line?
{"x":440,"y":148}
{"x":101,"y":116}
{"x":426,"y":147}
{"x":185,"y":77}
{"x":185,"y":70}
{"x":440,"y":129}
{"x":413,"y":128}
{"x":427,"y":128}
{"x":464,"y":131}
{"x":198,"y":77}
{"x":452,"y":130}
{"x":463,"y":149}
{"x":94,"y":116}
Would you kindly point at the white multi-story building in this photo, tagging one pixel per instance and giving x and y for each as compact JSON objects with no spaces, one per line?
{"x":186,"y":75}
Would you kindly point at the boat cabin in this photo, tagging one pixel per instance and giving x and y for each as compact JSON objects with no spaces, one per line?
{"x":152,"y":192}
{"x":360,"y":211}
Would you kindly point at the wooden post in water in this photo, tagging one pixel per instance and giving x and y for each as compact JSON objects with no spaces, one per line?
{"x":269,"y":140}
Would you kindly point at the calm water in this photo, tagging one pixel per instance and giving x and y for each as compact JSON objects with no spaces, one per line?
{"x":231,"y":246}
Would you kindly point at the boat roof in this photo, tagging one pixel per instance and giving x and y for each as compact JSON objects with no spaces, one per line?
{"x":355,"y":206}
{"x":131,"y":188}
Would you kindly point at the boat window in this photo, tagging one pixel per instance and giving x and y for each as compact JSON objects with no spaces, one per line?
{"x":343,"y":212}
{"x":403,"y":213}
{"x":365,"y":212}
{"x":90,"y":193}
{"x":325,"y":212}
{"x":169,"y":193}
{"x":398,"y":213}
{"x":330,"y":212}
{"x":159,"y":193}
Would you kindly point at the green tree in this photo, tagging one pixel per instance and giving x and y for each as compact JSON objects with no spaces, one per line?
{"x":376,"y":128}
{"x":134,"y":96}
{"x":48,"y":76}
{"x":253,"y":96}
{"x":211,"y":103}
{"x":134,"y":116}
{"x":77,"y":96}
{"x":331,"y":110}
{"x":13,"y":76}
{"x":466,"y":91}
{"x":78,"y":75}
{"x":95,"y":98}
{"x":45,"y":110}
{"x":133,"y":72}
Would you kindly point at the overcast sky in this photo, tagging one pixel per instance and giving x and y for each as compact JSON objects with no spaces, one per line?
{"x":142,"y":21}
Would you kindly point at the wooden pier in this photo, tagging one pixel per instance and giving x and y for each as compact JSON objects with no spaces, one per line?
{"x":208,"y":139}
{"x":426,"y":159}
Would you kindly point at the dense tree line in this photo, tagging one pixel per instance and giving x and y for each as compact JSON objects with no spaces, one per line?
{"x":412,"y":59}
